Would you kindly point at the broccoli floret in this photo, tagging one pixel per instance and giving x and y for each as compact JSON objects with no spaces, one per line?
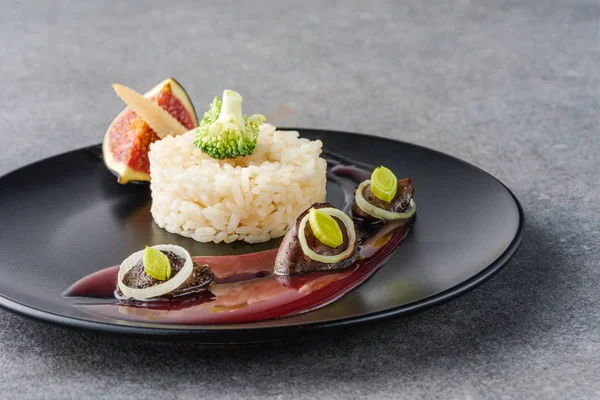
{"x":225,"y":132}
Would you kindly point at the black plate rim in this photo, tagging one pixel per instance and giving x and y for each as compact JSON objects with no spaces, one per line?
{"x":232,"y":333}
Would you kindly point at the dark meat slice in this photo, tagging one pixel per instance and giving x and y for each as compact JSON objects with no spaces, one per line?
{"x":201,"y":276}
{"x":291,"y":259}
{"x":400,"y":202}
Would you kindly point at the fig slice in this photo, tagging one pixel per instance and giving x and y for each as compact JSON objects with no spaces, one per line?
{"x":159,"y":120}
{"x":292,"y":260}
{"x":127,"y":140}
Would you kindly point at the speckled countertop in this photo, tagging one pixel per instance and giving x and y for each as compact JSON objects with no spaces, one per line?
{"x":512,"y":87}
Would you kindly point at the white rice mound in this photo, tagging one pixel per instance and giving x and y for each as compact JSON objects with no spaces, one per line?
{"x":252,"y":198}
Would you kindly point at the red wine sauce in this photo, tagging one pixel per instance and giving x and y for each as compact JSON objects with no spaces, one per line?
{"x":245,"y":288}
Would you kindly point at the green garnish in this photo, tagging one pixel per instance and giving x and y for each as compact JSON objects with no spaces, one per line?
{"x":156,"y":264}
{"x":384,"y":184}
{"x":325,"y":228}
{"x":225,"y":132}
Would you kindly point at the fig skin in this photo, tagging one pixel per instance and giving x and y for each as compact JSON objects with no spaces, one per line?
{"x":400,"y":202}
{"x":291,"y":260}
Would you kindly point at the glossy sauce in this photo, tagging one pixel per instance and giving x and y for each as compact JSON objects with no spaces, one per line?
{"x":245,"y":288}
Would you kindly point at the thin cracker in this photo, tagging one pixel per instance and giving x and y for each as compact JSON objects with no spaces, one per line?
{"x":161,"y":122}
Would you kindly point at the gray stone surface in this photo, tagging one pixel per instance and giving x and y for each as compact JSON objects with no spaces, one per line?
{"x":512,"y":87}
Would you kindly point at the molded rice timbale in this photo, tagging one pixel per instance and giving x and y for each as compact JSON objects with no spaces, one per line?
{"x":252,"y":198}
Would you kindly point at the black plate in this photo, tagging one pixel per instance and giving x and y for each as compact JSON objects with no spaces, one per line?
{"x":65,"y":217}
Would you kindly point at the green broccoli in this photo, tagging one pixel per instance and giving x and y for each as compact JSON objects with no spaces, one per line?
{"x":225,"y":132}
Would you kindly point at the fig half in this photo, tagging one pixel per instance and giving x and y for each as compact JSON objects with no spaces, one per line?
{"x":127,"y":140}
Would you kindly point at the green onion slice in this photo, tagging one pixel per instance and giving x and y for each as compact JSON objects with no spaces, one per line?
{"x":384,"y":184}
{"x":348,"y":223}
{"x":325,"y":228}
{"x":156,"y":264}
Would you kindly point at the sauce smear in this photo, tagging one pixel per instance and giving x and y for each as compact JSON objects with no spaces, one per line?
{"x":245,"y":288}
